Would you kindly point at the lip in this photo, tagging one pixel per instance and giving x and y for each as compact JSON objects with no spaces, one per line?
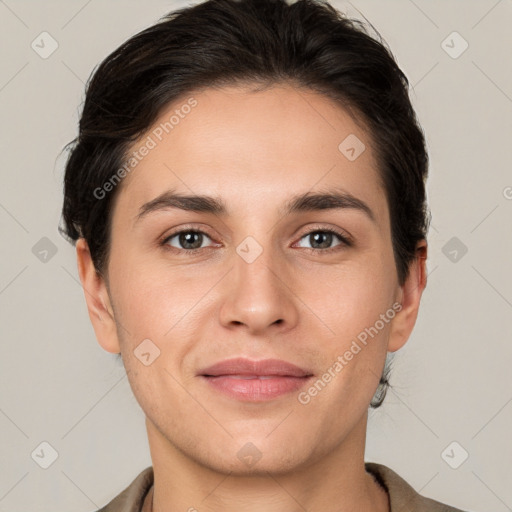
{"x":261,"y":368}
{"x":255,"y":381}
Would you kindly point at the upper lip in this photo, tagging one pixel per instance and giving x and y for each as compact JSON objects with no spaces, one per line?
{"x":264,"y":367}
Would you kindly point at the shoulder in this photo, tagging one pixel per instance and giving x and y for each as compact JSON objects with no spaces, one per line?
{"x":402,"y":496}
{"x":132,"y":498}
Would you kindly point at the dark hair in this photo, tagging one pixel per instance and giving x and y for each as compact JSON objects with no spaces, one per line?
{"x":217,"y":43}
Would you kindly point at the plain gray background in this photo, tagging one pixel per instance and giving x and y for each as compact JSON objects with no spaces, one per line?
{"x":451,"y":382}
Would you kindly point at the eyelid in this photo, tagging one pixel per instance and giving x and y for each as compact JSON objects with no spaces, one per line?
{"x":342,"y":233}
{"x":345,"y":238}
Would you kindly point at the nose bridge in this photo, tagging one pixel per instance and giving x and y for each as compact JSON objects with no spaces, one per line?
{"x":258,"y":296}
{"x":256,"y":254}
{"x":257,"y":266}
{"x":256,"y":270}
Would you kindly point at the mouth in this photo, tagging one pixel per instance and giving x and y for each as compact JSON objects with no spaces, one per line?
{"x":255,"y":388}
{"x":255,"y":381}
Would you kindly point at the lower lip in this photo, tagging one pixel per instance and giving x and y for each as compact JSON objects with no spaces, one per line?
{"x":256,"y":389}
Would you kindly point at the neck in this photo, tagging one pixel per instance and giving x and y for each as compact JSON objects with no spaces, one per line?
{"x":333,"y":481}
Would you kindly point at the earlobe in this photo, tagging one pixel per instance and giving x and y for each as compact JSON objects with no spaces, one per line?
{"x":410,"y":297}
{"x":98,"y":301}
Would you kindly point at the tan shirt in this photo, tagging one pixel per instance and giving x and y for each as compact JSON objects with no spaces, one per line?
{"x":137,"y":496}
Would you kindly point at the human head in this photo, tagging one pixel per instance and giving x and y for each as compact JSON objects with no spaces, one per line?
{"x":224,"y":43}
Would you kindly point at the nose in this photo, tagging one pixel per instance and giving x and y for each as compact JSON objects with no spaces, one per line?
{"x":259,"y":296}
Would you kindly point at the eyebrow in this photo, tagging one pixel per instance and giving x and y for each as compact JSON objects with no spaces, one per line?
{"x":307,"y":202}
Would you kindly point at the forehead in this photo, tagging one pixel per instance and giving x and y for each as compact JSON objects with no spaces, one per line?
{"x":253,"y":147}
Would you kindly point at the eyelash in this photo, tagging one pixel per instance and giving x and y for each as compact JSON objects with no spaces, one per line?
{"x":344,"y":239}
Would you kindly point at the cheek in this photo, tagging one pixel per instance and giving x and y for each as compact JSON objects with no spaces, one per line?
{"x":359,"y":312}
{"x":356,"y":303}
{"x":152,"y":301}
{"x":353,"y":297}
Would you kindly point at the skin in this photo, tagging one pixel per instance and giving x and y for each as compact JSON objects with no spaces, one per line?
{"x":254,"y":150}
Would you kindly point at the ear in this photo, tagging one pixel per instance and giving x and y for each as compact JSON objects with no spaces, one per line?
{"x":409,"y":297}
{"x":98,"y":300}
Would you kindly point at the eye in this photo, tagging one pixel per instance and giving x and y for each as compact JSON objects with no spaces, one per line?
{"x":192,"y":240}
{"x":322,"y":239}
{"x":189,"y":240}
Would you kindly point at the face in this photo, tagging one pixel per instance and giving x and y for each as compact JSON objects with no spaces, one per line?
{"x":263,"y":277}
